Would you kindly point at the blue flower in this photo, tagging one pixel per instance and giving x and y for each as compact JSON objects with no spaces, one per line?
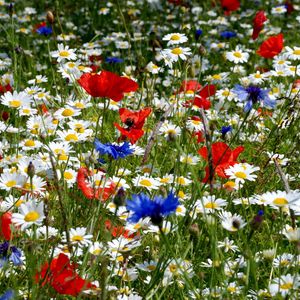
{"x":253,"y":94}
{"x":113,"y":60}
{"x":225,"y":129}
{"x":198,"y":33}
{"x":10,"y":253}
{"x":228,"y":34}
{"x":114,"y":150}
{"x":15,"y":256}
{"x":142,"y":206}
{"x":9,"y":294}
{"x":44,"y":30}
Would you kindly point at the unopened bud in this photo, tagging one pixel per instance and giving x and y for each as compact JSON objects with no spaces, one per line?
{"x":119,"y":199}
{"x":194,"y":230}
{"x":202,"y":50}
{"x":31,"y":170}
{"x":50,"y":17}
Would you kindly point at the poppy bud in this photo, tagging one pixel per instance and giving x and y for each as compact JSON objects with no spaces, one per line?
{"x":119,"y":199}
{"x":50,"y":17}
{"x":202,"y":50}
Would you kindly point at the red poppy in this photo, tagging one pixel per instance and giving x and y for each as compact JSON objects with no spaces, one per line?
{"x":89,"y":191}
{"x":271,"y":47}
{"x":230,"y":5}
{"x":107,"y":84}
{"x":5,"y":223}
{"x":62,"y":276}
{"x":222,"y":158}
{"x":5,"y":88}
{"x":201,"y":100}
{"x":258,"y":23}
{"x":190,"y":86}
{"x":134,"y":120}
{"x":129,"y":133}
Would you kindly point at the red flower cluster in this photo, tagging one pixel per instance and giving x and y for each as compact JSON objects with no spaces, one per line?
{"x":5,"y":223}
{"x":90,"y":192}
{"x":134,"y":121}
{"x":258,"y":23}
{"x":230,"y":5}
{"x":107,"y":84}
{"x":222,"y":158}
{"x":271,"y":47}
{"x":5,"y":88}
{"x":201,"y":99}
{"x":62,"y":276}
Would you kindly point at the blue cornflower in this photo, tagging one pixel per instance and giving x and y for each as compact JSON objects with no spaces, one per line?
{"x":142,"y":206}
{"x":10,"y":253}
{"x":225,"y":129}
{"x":227,"y":34}
{"x":44,"y":30}
{"x":253,"y":94}
{"x":198,"y":33}
{"x":114,"y":150}
{"x":9,"y":294}
{"x":113,"y":60}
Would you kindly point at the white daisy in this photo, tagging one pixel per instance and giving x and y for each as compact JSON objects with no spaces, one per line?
{"x":30,"y":213}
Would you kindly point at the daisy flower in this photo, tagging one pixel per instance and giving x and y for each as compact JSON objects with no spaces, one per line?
{"x":11,"y":180}
{"x":231,"y":222}
{"x":176,"y":53}
{"x":228,"y":245}
{"x":282,"y":199}
{"x":175,"y":38}
{"x":292,"y":53}
{"x":209,"y":204}
{"x":147,"y":182}
{"x":284,"y":285}
{"x":152,"y":68}
{"x":63,"y":53}
{"x":79,"y":237}
{"x":16,"y":100}
{"x":66,"y":113}
{"x":241,"y":172}
{"x":30,"y":213}
{"x":189,"y":159}
{"x":237,"y":56}
{"x":278,"y":10}
{"x":38,"y":185}
{"x":170,"y":131}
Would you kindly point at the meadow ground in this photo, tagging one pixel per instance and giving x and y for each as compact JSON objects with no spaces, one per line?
{"x":149,"y":149}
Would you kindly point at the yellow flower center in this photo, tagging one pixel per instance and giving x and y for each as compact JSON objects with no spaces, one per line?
{"x":15,"y":103}
{"x":280,"y":201}
{"x":64,"y":53}
{"x":151,"y":268}
{"x":177,"y":51}
{"x":146,"y":170}
{"x":181,"y":180}
{"x":286,"y":286}
{"x":11,"y":183}
{"x":226,"y":93}
{"x":77,"y":238}
{"x":296,"y":52}
{"x":71,"y":65}
{"x":237,"y":54}
{"x":165,"y":180}
{"x":216,"y":76}
{"x":211,"y":205}
{"x":26,"y":111}
{"x":32,"y":216}
{"x":97,"y":251}
{"x":145,"y":182}
{"x":173,"y":268}
{"x":68,"y":112}
{"x":229,"y":184}
{"x":68,"y":175}
{"x":231,"y":289}
{"x":171,"y":132}
{"x":181,"y":194}
{"x":71,"y":137}
{"x":257,"y":75}
{"x":175,"y":37}
{"x":29,"y":143}
{"x":28,"y":186}
{"x":241,"y":175}
{"x":79,"y":105}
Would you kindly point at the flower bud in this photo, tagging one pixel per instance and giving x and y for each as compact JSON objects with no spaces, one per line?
{"x":31,"y":170}
{"x":50,"y":17}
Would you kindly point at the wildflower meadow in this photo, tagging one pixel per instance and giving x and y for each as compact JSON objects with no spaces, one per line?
{"x":149,"y":149}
